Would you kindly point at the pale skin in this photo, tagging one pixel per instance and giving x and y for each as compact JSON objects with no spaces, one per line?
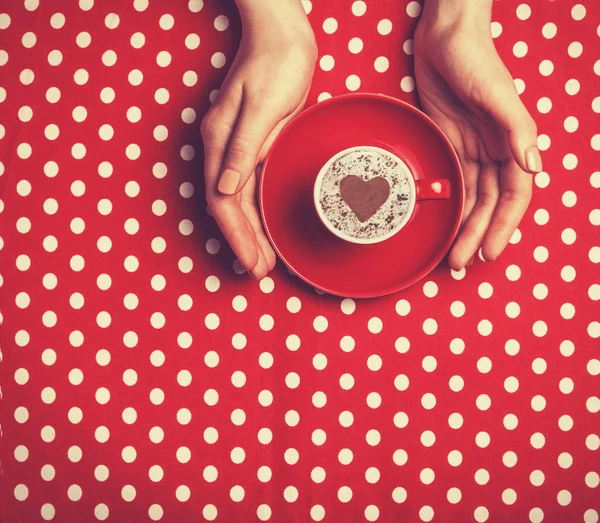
{"x":463,"y":86}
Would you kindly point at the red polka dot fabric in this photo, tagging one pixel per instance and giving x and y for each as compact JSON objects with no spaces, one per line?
{"x":145,"y":377}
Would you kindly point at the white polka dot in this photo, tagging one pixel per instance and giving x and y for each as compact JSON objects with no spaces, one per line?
{"x":48,"y":511}
{"x":4,"y":20}
{"x":546,"y":67}
{"x":483,"y":402}
{"x":221,"y":23}
{"x":513,"y":309}
{"x":428,"y":401}
{"x":544,"y":142}
{"x":457,"y":309}
{"x":426,"y":513}
{"x":359,"y":8}
{"x":549,"y":30}
{"x":523,"y":12}
{"x":430,"y":326}
{"x":570,"y":161}
{"x":218,"y":60}
{"x":353,"y":82}
{"x":382,"y":64}
{"x":413,"y":9}
{"x":375,"y":325}
{"x":327,"y":62}
{"x":482,"y":439}
{"x":320,"y":324}
{"x":568,"y":236}
{"x":575,"y":49}
{"x":430,"y":289}
{"x":55,"y":57}
{"x":482,"y":477}
{"x":542,"y":180}
{"x":187,"y":153}
{"x":572,"y":87}
{"x":355,"y":45}
{"x":513,"y":272}
{"x":456,"y":383}
{"x":484,"y":327}
{"x":163,"y":58}
{"x":485,"y":290}
{"x":407,"y":84}
{"x":578,"y":12}
{"x":520,"y":49}
{"x":544,"y":105}
{"x":330,"y":25}
{"x":593,"y":404}
{"x":496,"y":29}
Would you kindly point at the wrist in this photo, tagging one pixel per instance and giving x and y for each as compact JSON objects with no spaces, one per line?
{"x":286,"y":12}
{"x":277,"y":23}
{"x":458,"y":13}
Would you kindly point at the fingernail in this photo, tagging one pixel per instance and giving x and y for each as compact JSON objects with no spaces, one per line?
{"x":533,"y":159}
{"x":228,"y":182}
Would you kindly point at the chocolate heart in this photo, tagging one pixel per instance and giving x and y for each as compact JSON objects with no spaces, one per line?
{"x":364,"y":198}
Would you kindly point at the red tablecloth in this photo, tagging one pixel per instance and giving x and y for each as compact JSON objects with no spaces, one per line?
{"x":145,"y":379}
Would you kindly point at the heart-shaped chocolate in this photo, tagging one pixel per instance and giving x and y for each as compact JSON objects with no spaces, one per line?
{"x":364,"y":198}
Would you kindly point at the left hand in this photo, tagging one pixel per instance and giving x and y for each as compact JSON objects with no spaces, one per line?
{"x":466,"y":89}
{"x":264,"y":90}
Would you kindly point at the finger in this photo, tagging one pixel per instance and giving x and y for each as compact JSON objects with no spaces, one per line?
{"x":470,"y":171}
{"x":254,"y":124}
{"x":516,"y":187}
{"x":267,"y":257}
{"x":248,"y":203}
{"x":216,"y":129}
{"x":256,"y":222}
{"x":268,"y":251}
{"x":505,"y":106}
{"x":476,"y":226}
{"x":237,"y":230}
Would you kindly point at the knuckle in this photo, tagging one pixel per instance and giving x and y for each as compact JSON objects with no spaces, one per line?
{"x":488,"y":198}
{"x":239,"y":150}
{"x":521,"y":196}
{"x":470,"y":193}
{"x":208,"y":125}
{"x":531,"y":127}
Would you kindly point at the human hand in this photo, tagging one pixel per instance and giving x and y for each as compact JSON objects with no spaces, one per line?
{"x":466,"y":89}
{"x":265,"y":89}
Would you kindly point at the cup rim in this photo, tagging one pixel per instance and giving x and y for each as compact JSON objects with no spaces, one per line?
{"x":347,"y":237}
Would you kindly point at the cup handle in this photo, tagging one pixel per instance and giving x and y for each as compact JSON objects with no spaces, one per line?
{"x":432,"y":189}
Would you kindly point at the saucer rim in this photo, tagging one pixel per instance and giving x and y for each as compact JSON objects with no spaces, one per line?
{"x":390,"y":289}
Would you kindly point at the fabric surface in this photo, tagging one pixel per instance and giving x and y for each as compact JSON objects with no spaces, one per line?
{"x":144,"y":378}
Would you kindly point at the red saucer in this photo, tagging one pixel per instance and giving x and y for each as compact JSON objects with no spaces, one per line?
{"x":291,"y":221}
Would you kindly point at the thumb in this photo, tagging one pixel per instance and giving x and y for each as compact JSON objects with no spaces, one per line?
{"x":506,"y":107}
{"x":251,"y":131}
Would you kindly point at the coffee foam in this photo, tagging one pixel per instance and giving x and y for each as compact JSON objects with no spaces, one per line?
{"x":367,"y":164}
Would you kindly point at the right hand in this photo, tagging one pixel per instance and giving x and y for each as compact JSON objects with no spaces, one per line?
{"x":467,"y":90}
{"x":264,"y":90}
